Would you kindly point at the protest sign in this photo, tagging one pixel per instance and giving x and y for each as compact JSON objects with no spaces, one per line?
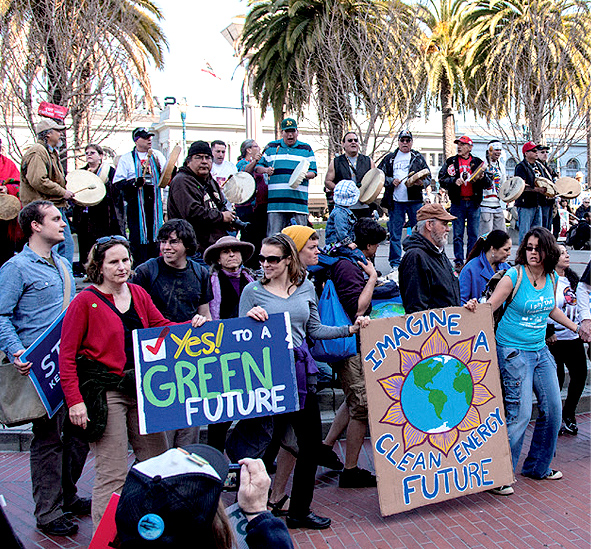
{"x":45,"y":375}
{"x":225,"y":370}
{"x":105,"y":536}
{"x":435,"y":407}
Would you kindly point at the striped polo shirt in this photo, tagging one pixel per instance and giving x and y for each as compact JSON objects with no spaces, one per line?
{"x":284,"y":159}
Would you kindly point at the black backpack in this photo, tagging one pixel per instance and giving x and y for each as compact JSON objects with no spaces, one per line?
{"x":490,"y":288}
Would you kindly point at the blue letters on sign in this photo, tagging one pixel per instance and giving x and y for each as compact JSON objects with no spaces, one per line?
{"x":223,"y":371}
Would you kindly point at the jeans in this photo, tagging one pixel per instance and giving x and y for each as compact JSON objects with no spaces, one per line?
{"x":522,"y":371}
{"x":528,"y":218}
{"x":571,"y":353}
{"x":547,"y":216}
{"x":66,"y":248}
{"x":396,"y":218}
{"x":277,"y":221}
{"x":468,"y":215}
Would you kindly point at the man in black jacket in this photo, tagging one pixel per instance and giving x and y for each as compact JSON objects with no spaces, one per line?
{"x":464,"y":185}
{"x":350,"y":165}
{"x":427,"y":280}
{"x":529,"y":204}
{"x":402,"y":201}
{"x":196,"y":196}
{"x":546,"y":170}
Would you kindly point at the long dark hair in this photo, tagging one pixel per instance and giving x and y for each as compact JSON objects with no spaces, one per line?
{"x":495,"y":239}
{"x":295,"y":270}
{"x":547,"y":247}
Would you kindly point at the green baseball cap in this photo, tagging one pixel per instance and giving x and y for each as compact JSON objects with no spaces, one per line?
{"x":289,"y":124}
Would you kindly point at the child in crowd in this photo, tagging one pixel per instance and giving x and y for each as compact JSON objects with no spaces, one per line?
{"x":339,"y":228}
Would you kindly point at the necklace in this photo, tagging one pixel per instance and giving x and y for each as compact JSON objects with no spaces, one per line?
{"x":536,"y":278}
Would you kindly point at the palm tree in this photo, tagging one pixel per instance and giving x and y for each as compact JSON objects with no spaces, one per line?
{"x":73,"y":53}
{"x":444,"y":61}
{"x":528,"y":58}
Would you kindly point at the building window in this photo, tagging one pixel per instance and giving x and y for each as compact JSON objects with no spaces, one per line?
{"x":440,"y":156}
{"x":510,"y":167}
{"x":432,"y":157}
{"x":572,"y":167}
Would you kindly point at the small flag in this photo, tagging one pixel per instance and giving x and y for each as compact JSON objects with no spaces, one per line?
{"x":209,"y":69}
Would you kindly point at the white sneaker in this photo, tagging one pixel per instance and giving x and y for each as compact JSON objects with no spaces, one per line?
{"x":392,"y":275}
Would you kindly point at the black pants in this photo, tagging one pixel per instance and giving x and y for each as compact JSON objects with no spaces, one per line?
{"x":571,"y":353}
{"x":57,"y":460}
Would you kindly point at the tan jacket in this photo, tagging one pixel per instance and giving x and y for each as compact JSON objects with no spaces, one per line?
{"x":42,"y":177}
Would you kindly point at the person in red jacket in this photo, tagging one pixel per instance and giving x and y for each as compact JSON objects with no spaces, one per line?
{"x":10,"y":234}
{"x":97,"y":366}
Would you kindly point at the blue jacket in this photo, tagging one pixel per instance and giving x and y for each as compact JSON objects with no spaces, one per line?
{"x":475,"y":275}
{"x":339,"y":226}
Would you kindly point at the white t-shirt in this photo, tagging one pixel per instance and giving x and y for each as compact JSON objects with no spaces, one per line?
{"x":222,"y":172}
{"x":566,"y":301}
{"x":126,"y":166}
{"x":400,"y":169}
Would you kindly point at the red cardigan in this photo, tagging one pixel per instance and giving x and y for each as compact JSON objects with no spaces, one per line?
{"x":91,"y":328}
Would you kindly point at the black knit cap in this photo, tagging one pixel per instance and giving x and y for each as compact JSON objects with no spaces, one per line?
{"x":199,"y":147}
{"x":170,"y":499}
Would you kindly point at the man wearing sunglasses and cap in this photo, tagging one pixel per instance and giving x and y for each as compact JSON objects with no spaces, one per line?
{"x":401,"y":201}
{"x":464,"y":181}
{"x":529,"y":204}
{"x":137,"y":175}
{"x":544,"y":169}
{"x":351,"y":165}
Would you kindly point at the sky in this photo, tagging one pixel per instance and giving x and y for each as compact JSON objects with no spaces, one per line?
{"x":193,"y":30}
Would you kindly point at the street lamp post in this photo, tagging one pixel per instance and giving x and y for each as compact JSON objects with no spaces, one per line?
{"x":183,"y":111}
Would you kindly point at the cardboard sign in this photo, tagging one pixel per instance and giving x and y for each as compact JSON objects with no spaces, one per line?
{"x":435,"y":407}
{"x":44,"y":373}
{"x":238,"y":521}
{"x":105,"y":536}
{"x":226,"y":370}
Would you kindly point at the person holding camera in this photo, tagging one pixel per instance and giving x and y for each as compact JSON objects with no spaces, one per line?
{"x":196,"y":196}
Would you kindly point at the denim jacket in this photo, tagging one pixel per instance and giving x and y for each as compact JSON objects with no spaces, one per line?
{"x":339,"y":226}
{"x":31,"y":298}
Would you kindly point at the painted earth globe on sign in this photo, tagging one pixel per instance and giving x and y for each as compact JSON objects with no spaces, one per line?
{"x":437,"y":394}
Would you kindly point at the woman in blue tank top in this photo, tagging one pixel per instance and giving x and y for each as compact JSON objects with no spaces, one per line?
{"x":524,"y":359}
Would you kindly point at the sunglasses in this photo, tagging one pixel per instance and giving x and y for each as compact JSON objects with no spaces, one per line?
{"x":405,"y":140}
{"x":272,"y":259}
{"x":352,"y":140}
{"x":105,"y":239}
{"x":532,"y":248}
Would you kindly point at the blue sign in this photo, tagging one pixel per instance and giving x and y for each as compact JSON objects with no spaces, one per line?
{"x":223,"y":371}
{"x":44,"y":373}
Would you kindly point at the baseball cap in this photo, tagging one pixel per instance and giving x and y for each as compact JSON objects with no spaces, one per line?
{"x":434,"y":211}
{"x":289,"y":124}
{"x":405,"y":133}
{"x":48,"y":124}
{"x":464,"y":139}
{"x":346,"y":193}
{"x":141,"y":132}
{"x":529,"y":146}
{"x":543,"y":148}
{"x":172,"y":498}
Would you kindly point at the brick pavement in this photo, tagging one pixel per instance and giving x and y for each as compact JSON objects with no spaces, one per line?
{"x":539,"y":514}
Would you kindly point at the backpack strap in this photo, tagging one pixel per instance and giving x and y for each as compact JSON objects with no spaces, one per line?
{"x":516,"y":287}
{"x":103,"y":298}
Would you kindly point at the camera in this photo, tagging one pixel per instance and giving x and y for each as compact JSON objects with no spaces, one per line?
{"x":239,"y":224}
{"x":232,"y":482}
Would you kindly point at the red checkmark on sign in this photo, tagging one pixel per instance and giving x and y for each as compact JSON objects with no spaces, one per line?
{"x":154,"y":350}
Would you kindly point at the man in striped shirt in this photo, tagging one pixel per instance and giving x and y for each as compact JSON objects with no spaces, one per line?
{"x":280,"y":159}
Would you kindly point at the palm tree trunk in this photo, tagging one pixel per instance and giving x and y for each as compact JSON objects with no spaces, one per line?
{"x":447,"y":117}
{"x":588,"y":129}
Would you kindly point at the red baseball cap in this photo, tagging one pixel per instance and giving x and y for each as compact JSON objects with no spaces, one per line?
{"x":530,"y":146}
{"x":464,"y":139}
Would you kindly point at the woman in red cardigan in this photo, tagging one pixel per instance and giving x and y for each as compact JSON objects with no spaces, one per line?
{"x":97,"y":366}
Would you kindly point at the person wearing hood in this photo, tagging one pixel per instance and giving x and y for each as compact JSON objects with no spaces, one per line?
{"x":426,"y":276}
{"x":196,"y":196}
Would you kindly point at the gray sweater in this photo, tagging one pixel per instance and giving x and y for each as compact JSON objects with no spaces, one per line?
{"x":301,"y":306}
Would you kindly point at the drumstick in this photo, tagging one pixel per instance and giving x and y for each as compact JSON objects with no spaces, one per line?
{"x":89,"y":187}
{"x":410,"y":174}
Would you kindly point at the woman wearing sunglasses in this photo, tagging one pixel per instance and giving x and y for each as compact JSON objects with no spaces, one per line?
{"x":524,"y":359}
{"x":97,"y":366}
{"x":284,"y":287}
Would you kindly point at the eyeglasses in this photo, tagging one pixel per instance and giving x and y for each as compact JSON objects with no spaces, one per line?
{"x":532,"y":248}
{"x":105,"y":239}
{"x":272,"y":259}
{"x":352,"y":140}
{"x":405,"y":140}
{"x":202,"y":157}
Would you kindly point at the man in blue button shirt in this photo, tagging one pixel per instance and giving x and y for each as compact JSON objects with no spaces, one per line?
{"x":33,"y":285}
